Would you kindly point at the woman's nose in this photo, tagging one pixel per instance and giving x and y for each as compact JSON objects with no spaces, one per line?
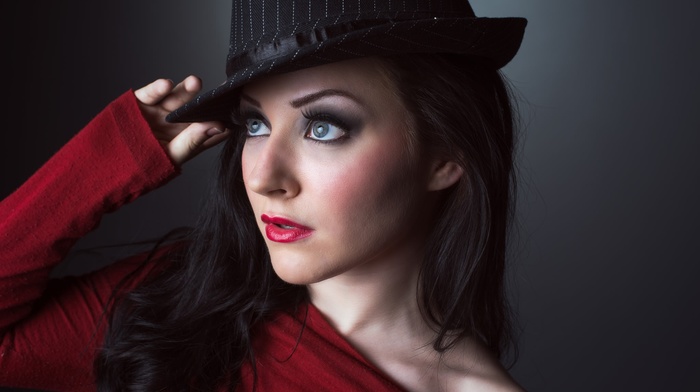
{"x":271,"y":164}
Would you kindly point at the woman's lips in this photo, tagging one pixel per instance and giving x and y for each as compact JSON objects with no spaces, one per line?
{"x":284,"y":230}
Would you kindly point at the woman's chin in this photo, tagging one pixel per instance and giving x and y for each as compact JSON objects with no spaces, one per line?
{"x":295,"y":269}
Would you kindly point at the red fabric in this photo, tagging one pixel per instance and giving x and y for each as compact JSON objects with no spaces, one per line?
{"x":50,"y":330}
{"x":317,"y":358}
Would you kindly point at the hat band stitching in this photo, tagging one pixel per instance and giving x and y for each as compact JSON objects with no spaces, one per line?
{"x":317,"y":36}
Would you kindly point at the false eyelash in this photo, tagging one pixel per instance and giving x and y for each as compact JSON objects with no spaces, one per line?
{"x":243,"y":116}
{"x":312,"y":115}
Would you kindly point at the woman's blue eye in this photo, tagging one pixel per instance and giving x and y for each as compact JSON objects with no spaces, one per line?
{"x":324,"y":131}
{"x":256,"y":127}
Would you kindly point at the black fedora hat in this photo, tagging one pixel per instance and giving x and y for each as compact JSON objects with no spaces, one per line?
{"x":275,"y":36}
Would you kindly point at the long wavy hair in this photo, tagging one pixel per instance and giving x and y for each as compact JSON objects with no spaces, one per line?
{"x":191,"y":327}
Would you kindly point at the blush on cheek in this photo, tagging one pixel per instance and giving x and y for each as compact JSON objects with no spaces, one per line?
{"x":363,"y":174}
{"x":374,"y":182}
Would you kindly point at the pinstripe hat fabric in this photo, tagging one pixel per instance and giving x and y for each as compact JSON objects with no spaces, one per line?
{"x":275,"y":36}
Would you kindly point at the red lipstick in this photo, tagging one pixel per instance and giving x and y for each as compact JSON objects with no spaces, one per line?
{"x":284,"y":230}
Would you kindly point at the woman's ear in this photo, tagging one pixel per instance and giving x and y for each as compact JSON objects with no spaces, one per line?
{"x":444,"y":174}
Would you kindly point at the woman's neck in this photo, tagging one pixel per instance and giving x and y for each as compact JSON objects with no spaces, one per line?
{"x":379,"y":296}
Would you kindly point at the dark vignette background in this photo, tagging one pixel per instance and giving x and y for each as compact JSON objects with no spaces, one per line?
{"x":605,"y":265}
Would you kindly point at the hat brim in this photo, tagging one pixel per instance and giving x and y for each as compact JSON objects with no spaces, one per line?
{"x":495,"y":41}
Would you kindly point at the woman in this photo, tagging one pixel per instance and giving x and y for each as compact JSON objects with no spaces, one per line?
{"x":356,"y":236}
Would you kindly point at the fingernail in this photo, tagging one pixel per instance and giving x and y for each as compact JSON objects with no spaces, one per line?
{"x":213,"y":131}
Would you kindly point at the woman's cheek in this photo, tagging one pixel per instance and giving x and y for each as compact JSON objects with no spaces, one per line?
{"x":365,"y":187}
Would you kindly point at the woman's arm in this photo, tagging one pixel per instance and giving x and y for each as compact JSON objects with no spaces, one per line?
{"x":47,"y":329}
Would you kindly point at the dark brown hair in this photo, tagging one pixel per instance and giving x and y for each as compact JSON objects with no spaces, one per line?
{"x":464,"y":111}
{"x":191,"y":327}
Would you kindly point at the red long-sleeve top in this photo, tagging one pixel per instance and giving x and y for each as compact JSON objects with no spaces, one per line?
{"x":51,"y":329}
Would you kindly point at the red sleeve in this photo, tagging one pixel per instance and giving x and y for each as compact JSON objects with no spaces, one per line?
{"x":48,"y":329}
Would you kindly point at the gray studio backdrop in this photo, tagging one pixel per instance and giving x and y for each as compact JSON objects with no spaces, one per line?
{"x":605,"y":264}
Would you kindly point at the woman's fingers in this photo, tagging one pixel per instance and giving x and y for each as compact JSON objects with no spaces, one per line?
{"x":194,"y":139}
{"x":154,"y":92}
{"x":182,"y":93}
{"x":164,"y":93}
{"x":180,"y":140}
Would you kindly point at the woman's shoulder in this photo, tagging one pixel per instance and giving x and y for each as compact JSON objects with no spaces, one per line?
{"x":471,"y":366}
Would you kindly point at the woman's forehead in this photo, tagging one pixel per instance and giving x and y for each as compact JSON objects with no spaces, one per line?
{"x":365,"y":78}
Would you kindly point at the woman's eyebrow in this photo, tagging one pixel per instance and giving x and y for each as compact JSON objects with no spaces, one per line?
{"x":307,"y":99}
{"x":251,"y":100}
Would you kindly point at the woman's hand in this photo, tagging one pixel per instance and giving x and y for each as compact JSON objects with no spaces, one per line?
{"x":181,"y":141}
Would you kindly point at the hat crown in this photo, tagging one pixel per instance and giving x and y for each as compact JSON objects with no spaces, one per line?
{"x":275,"y":36}
{"x":258,"y":21}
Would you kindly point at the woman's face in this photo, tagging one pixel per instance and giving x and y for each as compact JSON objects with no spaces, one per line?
{"x":328,"y":169}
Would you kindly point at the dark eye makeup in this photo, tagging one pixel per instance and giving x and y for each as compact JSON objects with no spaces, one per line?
{"x":341,"y":120}
{"x":241,"y":117}
{"x":316,"y":116}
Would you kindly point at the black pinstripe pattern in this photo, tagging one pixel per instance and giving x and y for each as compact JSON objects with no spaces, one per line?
{"x":269,"y":36}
